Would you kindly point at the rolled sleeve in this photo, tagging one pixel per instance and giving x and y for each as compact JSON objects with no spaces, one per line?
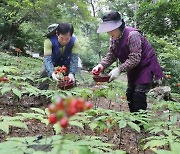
{"x":48,"y":65}
{"x":73,"y":63}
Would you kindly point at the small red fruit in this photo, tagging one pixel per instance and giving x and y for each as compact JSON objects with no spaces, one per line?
{"x":167,"y":76}
{"x":4,"y":79}
{"x":72,"y":111}
{"x":66,"y":78}
{"x":80,"y":104}
{"x":52,"y":118}
{"x":97,"y":72}
{"x":88,"y":105}
{"x":64,"y":122}
{"x":60,"y":103}
{"x":55,"y":72}
{"x":64,"y":69}
{"x":52,"y":108}
{"x":106,"y":130}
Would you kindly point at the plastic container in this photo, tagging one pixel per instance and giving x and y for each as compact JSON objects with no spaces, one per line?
{"x":102,"y":78}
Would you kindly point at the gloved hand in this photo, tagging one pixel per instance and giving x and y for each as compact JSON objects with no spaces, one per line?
{"x":55,"y":76}
{"x":114,"y":74}
{"x":158,"y":82}
{"x":71,"y":77}
{"x":97,"y":69}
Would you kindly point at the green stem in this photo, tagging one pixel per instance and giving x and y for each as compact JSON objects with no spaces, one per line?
{"x":109,"y":104}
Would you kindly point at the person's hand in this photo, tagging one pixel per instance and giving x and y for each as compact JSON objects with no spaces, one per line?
{"x":114,"y":74}
{"x":55,"y":76}
{"x":71,"y":77}
{"x":158,"y":82}
{"x":97,"y":69}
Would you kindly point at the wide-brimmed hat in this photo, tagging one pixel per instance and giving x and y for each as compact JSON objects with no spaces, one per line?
{"x":111,"y":21}
{"x":51,"y":29}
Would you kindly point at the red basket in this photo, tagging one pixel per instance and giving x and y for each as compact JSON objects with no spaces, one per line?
{"x":64,"y":85}
{"x":102,"y":78}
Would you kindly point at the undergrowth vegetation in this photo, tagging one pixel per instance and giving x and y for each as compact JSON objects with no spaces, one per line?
{"x":20,"y":77}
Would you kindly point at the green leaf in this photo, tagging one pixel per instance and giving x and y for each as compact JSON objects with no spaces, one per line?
{"x":45,"y":121}
{"x":18,"y":124}
{"x":39,"y":152}
{"x":4,"y":127}
{"x":38,"y":110}
{"x":174,"y":119}
{"x":101,"y":118}
{"x":17,"y":92}
{"x":5,"y":89}
{"x":32,"y":90}
{"x":57,"y":128}
{"x":122,"y":124}
{"x":76,"y":123}
{"x":16,"y":118}
{"x":93,"y":125}
{"x":176,"y":132}
{"x":12,"y":151}
{"x":80,"y":150}
{"x":162,"y":151}
{"x":111,"y":95}
{"x":32,"y":116}
{"x":134,"y":126}
{"x":175,"y":147}
{"x":154,"y":143}
{"x":168,"y":132}
{"x":119,"y":152}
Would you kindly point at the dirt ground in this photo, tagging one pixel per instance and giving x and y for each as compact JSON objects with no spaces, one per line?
{"x":10,"y":107}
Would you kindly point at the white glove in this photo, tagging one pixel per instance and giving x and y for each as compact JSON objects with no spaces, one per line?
{"x":158,"y":82}
{"x":55,"y":76}
{"x":97,"y":69}
{"x":71,"y":77}
{"x":114,"y":74}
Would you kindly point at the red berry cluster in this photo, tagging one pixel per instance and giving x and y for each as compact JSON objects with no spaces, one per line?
{"x":4,"y":79}
{"x":59,"y":69}
{"x":61,"y":109}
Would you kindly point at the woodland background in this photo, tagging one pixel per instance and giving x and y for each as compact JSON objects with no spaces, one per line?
{"x":109,"y":126}
{"x":23,"y":24}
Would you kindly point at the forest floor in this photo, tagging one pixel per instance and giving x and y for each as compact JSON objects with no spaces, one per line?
{"x":128,"y":142}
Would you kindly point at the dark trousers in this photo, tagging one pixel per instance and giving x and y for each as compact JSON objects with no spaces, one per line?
{"x":136,"y":96}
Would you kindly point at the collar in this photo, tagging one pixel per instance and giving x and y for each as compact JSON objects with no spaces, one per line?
{"x":114,"y":42}
{"x":117,"y":40}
